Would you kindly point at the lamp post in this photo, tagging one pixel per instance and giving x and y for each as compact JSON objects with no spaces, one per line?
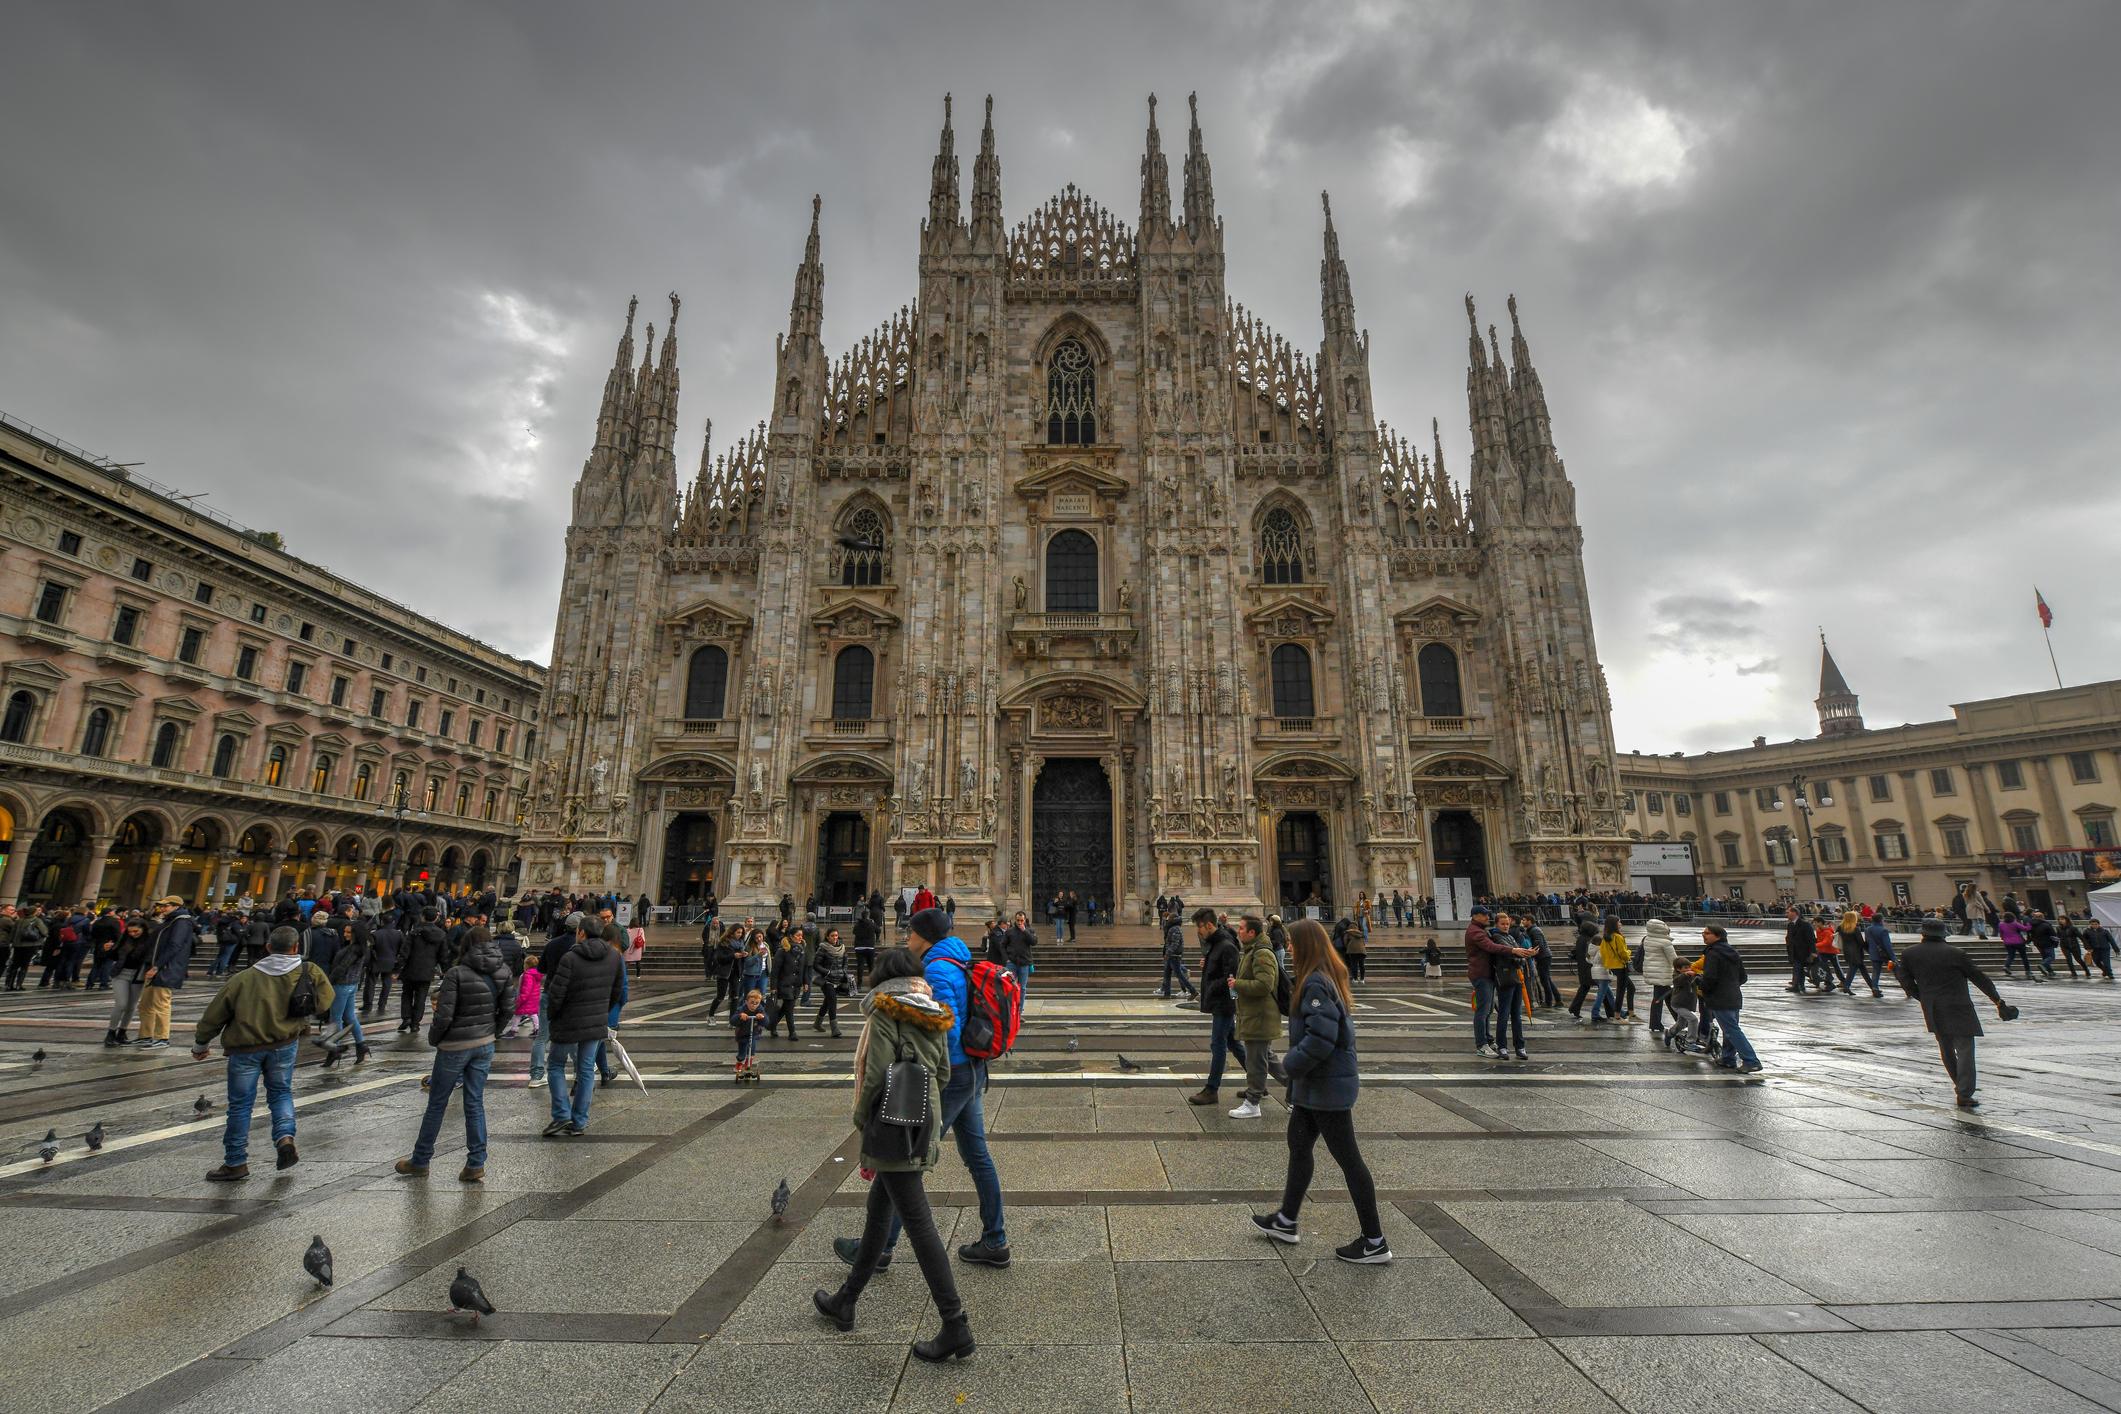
{"x":1803,"y":803}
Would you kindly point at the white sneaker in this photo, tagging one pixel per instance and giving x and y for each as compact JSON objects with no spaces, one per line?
{"x":1248,"y":1109}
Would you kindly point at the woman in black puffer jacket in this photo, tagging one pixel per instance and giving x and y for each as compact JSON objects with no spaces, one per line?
{"x":1323,"y":1084}
{"x":469,"y":1006}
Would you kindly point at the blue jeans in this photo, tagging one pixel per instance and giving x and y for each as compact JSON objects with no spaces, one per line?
{"x":1509,"y":1016}
{"x":1176,"y":967}
{"x":571,"y":1106}
{"x":452,"y":1068}
{"x":1222,"y":1041}
{"x":225,"y":957}
{"x":537,"y":1044}
{"x":278,"y":1069}
{"x":1060,"y":929}
{"x":1733,"y":1036}
{"x":961,"y":1114}
{"x":344,"y":1013}
{"x":1604,"y":1003}
{"x":1483,"y":1008}
{"x":1022,"y":972}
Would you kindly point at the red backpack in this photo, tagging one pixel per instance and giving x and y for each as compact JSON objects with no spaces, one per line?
{"x":994,"y":1009}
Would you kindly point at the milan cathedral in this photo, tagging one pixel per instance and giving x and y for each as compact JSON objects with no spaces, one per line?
{"x":1074,"y":575}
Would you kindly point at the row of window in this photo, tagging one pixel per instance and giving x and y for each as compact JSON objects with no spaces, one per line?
{"x":2010,"y":775}
{"x":1890,"y":845}
{"x":165,"y":749}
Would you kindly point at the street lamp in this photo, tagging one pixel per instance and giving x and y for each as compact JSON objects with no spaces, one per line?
{"x":1811,"y":846}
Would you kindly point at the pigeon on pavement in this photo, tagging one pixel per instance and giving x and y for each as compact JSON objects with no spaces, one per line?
{"x":1071,"y":1045}
{"x":37,"y":1056}
{"x":202,"y":1106}
{"x":465,"y":1295}
{"x":780,"y":1201}
{"x":1125,"y":1064}
{"x":95,"y":1136}
{"x":49,"y":1149}
{"x":317,"y":1260}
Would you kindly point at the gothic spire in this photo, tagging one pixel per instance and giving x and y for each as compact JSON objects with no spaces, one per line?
{"x":618,"y":384}
{"x":1534,"y":429}
{"x":1200,"y":188}
{"x":666,"y":410}
{"x":942,"y":186}
{"x":1839,"y":712}
{"x":806,"y":311}
{"x":987,"y":189}
{"x":1336,"y":296}
{"x":1476,"y":355}
{"x":1156,"y":181}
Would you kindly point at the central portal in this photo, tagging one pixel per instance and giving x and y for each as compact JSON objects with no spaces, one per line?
{"x":1071,"y":832}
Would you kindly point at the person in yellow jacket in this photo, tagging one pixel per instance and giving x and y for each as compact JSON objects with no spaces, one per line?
{"x":260,"y":1033}
{"x":1614,"y":955}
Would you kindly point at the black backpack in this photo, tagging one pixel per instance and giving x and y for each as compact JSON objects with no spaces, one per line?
{"x":897,"y":1131}
{"x":302,"y":1001}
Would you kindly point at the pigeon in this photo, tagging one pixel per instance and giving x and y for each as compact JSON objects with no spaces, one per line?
{"x":1125,"y":1064}
{"x":37,"y":1056}
{"x":202,"y":1106}
{"x":49,"y":1149}
{"x":1071,"y":1045}
{"x":780,"y":1201}
{"x":95,"y":1137}
{"x":464,"y":1295}
{"x":317,"y":1261}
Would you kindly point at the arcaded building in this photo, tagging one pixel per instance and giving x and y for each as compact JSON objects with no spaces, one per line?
{"x":186,"y":708}
{"x":1075,"y":575}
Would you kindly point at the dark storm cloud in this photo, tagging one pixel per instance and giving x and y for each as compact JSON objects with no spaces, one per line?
{"x":1821,"y":293}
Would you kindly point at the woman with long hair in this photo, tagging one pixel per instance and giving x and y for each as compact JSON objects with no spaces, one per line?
{"x":1322,"y":1088}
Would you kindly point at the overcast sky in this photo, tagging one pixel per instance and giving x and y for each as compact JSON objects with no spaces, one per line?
{"x":1824,"y":295}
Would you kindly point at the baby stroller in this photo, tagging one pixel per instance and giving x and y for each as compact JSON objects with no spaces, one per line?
{"x":1690,"y":1028}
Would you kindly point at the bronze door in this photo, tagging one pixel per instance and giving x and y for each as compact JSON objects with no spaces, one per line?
{"x":1071,"y":833}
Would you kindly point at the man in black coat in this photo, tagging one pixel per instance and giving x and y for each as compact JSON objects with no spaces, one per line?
{"x":791,"y":966}
{"x":865,"y":929}
{"x":579,"y":996}
{"x":721,"y":969}
{"x":1938,"y":975}
{"x":1218,"y":969}
{"x":1722,"y":994}
{"x":386,"y":942}
{"x":1017,"y":943}
{"x":418,"y":961}
{"x":1798,"y":940}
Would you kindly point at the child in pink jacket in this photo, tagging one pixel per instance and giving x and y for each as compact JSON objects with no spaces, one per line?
{"x":528,"y":992}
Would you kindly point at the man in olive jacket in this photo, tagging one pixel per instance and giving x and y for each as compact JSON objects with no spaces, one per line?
{"x":579,"y":996}
{"x":1938,"y":975}
{"x":1258,"y":1018}
{"x":251,"y":1016}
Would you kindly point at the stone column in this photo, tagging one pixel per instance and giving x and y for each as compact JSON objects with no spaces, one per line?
{"x":272,"y":876}
{"x":17,"y":865}
{"x":92,"y":877}
{"x":218,"y":879}
{"x":167,"y":862}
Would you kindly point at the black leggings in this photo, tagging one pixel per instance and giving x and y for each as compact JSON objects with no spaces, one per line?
{"x":902,"y":1193}
{"x":721,"y":990}
{"x":1548,"y":995}
{"x":1337,"y":1127}
{"x":829,"y":1011}
{"x":779,"y":1008}
{"x":1355,"y":964}
{"x":1624,"y":992}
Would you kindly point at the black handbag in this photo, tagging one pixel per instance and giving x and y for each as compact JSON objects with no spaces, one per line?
{"x":897,"y":1131}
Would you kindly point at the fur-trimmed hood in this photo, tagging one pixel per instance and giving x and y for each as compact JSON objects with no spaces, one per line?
{"x":908,"y":999}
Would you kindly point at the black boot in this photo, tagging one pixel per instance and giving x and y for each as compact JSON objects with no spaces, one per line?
{"x":952,"y":1342}
{"x":838,"y":1307}
{"x":360,"y":1052}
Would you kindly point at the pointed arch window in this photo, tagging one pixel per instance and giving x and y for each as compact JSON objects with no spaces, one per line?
{"x":1440,"y":694}
{"x":21,"y":711}
{"x":853,"y":684}
{"x":706,"y":683}
{"x":1071,"y":573}
{"x":862,"y":548}
{"x":1291,"y":671}
{"x":276,"y":765}
{"x":95,"y":738}
{"x":1071,"y":396}
{"x":225,"y":755}
{"x":164,"y":754}
{"x":1281,"y":548}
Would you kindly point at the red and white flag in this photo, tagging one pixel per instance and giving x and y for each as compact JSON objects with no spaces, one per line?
{"x":2047,"y":615}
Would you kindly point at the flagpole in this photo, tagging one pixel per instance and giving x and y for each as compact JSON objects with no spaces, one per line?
{"x":2048,"y":634}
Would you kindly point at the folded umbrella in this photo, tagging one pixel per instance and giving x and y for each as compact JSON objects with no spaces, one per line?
{"x":611,"y":1038}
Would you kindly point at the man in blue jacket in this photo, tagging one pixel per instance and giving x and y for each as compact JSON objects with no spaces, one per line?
{"x":946,"y":962}
{"x":165,"y":974}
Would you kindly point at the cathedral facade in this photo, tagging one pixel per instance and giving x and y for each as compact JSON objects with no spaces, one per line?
{"x":1074,"y":575}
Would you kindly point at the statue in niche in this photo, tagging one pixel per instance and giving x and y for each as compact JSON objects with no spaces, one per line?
{"x":1126,"y":593}
{"x":1023,"y":593}
{"x":967,"y":780}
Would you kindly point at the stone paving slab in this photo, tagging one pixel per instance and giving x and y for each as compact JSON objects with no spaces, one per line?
{"x":1491,"y":1376}
{"x":1213,"y":1301}
{"x":1037,"y":1234}
{"x":318,"y":1376}
{"x":1924,"y":1372}
{"x":779,"y":1312}
{"x":1432,"y":1299}
{"x":1613,"y":1254}
{"x":1722,"y":1168}
{"x":528,"y":1377}
{"x":1931,"y":1178}
{"x":1020,"y":1379}
{"x":835,"y":1373}
{"x":1669,"y":1372}
{"x":1033,"y":1303}
{"x":1285,"y":1378}
{"x":45,"y":1243}
{"x":586,"y":1266}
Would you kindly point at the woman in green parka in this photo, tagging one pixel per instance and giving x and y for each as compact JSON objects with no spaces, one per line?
{"x":903,"y":1020}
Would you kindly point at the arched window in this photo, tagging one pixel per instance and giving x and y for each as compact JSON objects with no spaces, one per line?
{"x":400,"y":789}
{"x":164,"y":755}
{"x":432,"y":794}
{"x":1440,"y":696}
{"x":853,"y":684}
{"x":493,"y":803}
{"x":706,"y":683}
{"x":95,"y":738}
{"x":1291,"y":666}
{"x":364,"y":779}
{"x":463,"y":799}
{"x":320,"y":774}
{"x":1281,"y":548}
{"x":21,"y":710}
{"x":275,"y":766}
{"x":225,"y":755}
{"x":1071,"y":396}
{"x":1071,"y":573}
{"x":862,"y":548}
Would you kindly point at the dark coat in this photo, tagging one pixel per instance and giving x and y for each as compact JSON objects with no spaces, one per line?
{"x":580,"y":994}
{"x":173,"y":949}
{"x":865,"y":931}
{"x":1017,"y":944}
{"x":1798,"y":939}
{"x":1939,"y":975}
{"x":473,"y":996}
{"x":1321,"y":1054}
{"x":789,"y":967}
{"x":1722,"y":977}
{"x":388,"y":940}
{"x":1218,"y":968}
{"x":422,"y":953}
{"x":348,"y":961}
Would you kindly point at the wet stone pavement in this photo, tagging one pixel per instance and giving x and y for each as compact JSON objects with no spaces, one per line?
{"x":1606,"y":1226}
